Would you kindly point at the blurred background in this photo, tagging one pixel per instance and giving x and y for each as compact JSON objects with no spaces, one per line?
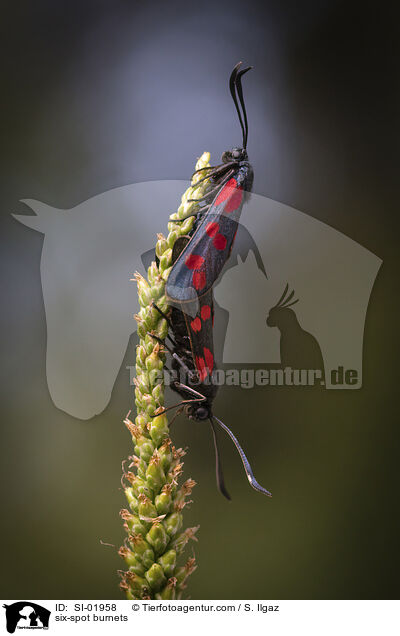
{"x":100,"y":94}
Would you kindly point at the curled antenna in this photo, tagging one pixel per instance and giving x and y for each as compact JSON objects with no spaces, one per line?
{"x":235,"y":86}
{"x":250,"y":475}
{"x":285,"y":302}
{"x":218,"y":466}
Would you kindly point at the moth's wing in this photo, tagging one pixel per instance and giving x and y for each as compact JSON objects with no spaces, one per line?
{"x":201,"y":261}
{"x":200,"y":330}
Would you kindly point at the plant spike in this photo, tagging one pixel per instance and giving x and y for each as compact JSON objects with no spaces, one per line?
{"x":154,"y":520}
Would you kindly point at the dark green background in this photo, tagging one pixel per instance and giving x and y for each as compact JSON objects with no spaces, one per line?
{"x":100,"y":94}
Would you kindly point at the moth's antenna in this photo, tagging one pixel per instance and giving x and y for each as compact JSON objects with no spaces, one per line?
{"x":235,"y":85}
{"x":250,"y":475}
{"x":240,"y":93}
{"x":218,"y":466}
{"x":232,"y":87}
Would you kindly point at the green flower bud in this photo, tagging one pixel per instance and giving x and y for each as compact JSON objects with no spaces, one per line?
{"x":146,"y":448}
{"x":141,"y":422}
{"x":149,"y":344}
{"x":154,"y":474}
{"x":163,"y":501}
{"x":165,"y":455}
{"x":162,"y":301}
{"x":146,"y":508}
{"x":153,"y":361}
{"x":131,"y":499}
{"x":159,"y":429}
{"x":142,"y":550}
{"x":141,"y":282}
{"x":142,"y":383}
{"x":168,"y":562}
{"x":155,"y":577}
{"x":158,"y":391}
{"x":150,"y":405}
{"x":158,"y":290}
{"x":135,"y":525}
{"x":172,"y":238}
{"x":141,"y":331}
{"x":187,"y":225}
{"x":164,"y":275}
{"x":161,"y":245}
{"x":141,"y":489}
{"x":157,"y":537}
{"x":141,"y":354}
{"x":145,"y":297}
{"x":161,"y":331}
{"x":136,"y":566}
{"x":173,"y":523}
{"x":166,"y":259}
{"x":152,"y":272}
{"x":139,"y":586}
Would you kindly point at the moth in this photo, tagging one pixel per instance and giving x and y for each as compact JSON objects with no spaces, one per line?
{"x":198,"y":259}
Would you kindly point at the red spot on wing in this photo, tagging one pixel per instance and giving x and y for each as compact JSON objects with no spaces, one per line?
{"x":194,"y":261}
{"x":219,"y":242}
{"x":201,"y":367}
{"x":226,"y":191}
{"x":212,"y":229}
{"x":209,"y":358}
{"x":196,"y":324}
{"x":199,"y":280}
{"x":232,"y":194}
{"x":205,"y":312}
{"x":234,"y":201}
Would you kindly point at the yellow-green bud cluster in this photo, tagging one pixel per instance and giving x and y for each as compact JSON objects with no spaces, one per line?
{"x":154,"y":520}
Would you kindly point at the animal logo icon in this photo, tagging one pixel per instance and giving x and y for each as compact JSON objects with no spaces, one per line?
{"x":299,"y":349}
{"x":25,"y":614}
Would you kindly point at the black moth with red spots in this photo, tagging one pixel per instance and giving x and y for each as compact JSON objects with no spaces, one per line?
{"x":198,"y":259}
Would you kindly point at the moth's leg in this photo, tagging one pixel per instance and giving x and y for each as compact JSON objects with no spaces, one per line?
{"x":160,"y":311}
{"x":162,"y":342}
{"x":182,"y":403}
{"x":173,"y":354}
{"x":205,"y":168}
{"x":218,"y":187}
{"x":200,"y":397}
{"x":199,"y":212}
{"x":183,"y":220}
{"x":174,"y":406}
{"x":219,"y":170}
{"x":220,"y":167}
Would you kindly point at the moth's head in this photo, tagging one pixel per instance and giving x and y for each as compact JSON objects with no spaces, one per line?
{"x":236,"y":154}
{"x":198,"y":413}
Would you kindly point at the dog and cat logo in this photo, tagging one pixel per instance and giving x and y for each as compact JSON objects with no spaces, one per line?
{"x":26,"y":615}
